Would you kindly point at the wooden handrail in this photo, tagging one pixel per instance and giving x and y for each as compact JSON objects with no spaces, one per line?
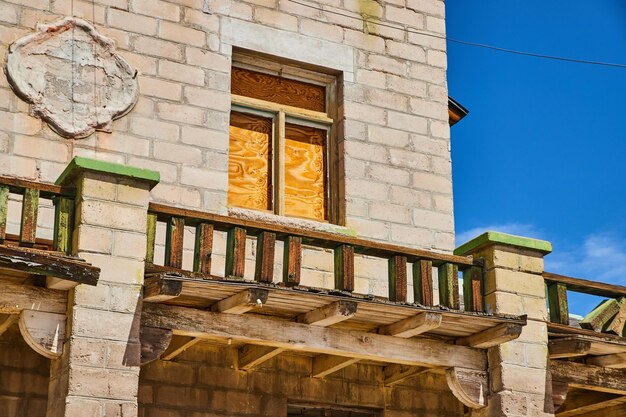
{"x":46,"y":189}
{"x":585,"y":286}
{"x":310,"y":237}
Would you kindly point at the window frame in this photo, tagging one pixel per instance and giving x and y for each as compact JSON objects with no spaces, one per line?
{"x":283,"y":114}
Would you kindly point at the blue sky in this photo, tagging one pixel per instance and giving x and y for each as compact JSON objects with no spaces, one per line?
{"x":543,"y":151}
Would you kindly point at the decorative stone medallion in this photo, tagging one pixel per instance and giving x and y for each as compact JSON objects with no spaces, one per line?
{"x":72,"y":77}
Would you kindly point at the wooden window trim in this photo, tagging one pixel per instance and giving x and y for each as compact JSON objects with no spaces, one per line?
{"x":328,"y":119}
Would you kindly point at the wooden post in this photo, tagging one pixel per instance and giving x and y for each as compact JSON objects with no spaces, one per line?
{"x":63,"y":224}
{"x":151,"y":237}
{"x":557,"y":302}
{"x":174,"y":242}
{"x":203,"y":248}
{"x":449,"y":286}
{"x":292,"y":260}
{"x":266,"y":244}
{"x":473,"y":289}
{"x":4,"y":207}
{"x":344,"y":268}
{"x":397,"y":278}
{"x":423,"y":282}
{"x":235,"y":252}
{"x":30,"y":207}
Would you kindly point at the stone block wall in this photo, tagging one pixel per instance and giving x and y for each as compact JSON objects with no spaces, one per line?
{"x":394,"y":135}
{"x":203,"y":382}
{"x":24,"y":377}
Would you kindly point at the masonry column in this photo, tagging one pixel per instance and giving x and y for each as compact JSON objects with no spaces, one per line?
{"x":518,"y":370}
{"x":98,"y":374}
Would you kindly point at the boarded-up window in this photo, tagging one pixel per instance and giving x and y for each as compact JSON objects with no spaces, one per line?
{"x":279,"y":145}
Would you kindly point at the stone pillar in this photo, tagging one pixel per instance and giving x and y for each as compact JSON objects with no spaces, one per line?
{"x":518,"y":370}
{"x":98,"y":374}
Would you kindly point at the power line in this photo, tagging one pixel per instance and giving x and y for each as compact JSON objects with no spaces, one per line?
{"x":467,"y":43}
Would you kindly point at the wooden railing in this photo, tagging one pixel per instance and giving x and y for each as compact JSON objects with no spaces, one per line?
{"x":32,"y":192}
{"x":558,"y":285}
{"x":344,"y":247}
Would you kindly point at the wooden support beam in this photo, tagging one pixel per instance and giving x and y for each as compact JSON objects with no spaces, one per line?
{"x":157,"y":290}
{"x":30,"y":208}
{"x":324,"y":365}
{"x":395,"y":374}
{"x":616,"y":326}
{"x":235,"y":252}
{"x":449,"y":286}
{"x":473,"y":289}
{"x":583,"y":402}
{"x":397,"y":278}
{"x":568,"y":348}
{"x":615,"y":360}
{"x":423,"y":282}
{"x":601,"y":315}
{"x":251,"y":356}
{"x":495,"y":336}
{"x":4,"y":208}
{"x":63,"y":224}
{"x":7,"y":322}
{"x":593,"y":378}
{"x":35,"y":261}
{"x":344,"y":268}
{"x":203,"y":248}
{"x":174,"y":242}
{"x":292,"y":260}
{"x":301,"y":337}
{"x":15,"y":298}
{"x":413,"y":326}
{"x":559,"y":392}
{"x":44,"y":332}
{"x":242,"y":302}
{"x":178,"y":345}
{"x":468,"y":386}
{"x":329,"y":314}
{"x":151,"y":226}
{"x":154,"y":341}
{"x":265,"y":249}
{"x":557,"y":303}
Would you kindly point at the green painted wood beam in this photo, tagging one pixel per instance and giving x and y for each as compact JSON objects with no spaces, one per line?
{"x":497,"y":238}
{"x":80,"y":164}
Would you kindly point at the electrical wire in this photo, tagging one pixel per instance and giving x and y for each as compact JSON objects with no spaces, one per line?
{"x":467,"y":43}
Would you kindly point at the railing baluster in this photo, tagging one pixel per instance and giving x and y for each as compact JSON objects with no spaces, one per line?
{"x":203,"y":248}
{"x":174,"y":242}
{"x":423,"y":282}
{"x":151,"y":226}
{"x":397,"y":278}
{"x":4,"y":208}
{"x":63,"y":224}
{"x":473,"y":289}
{"x":235,"y":252}
{"x":30,"y":208}
{"x":449,"y":286}
{"x":266,"y":244}
{"x":344,"y":268}
{"x":557,"y":302}
{"x":292,"y":260}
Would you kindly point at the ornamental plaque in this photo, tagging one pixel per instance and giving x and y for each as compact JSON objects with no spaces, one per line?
{"x":72,"y":76}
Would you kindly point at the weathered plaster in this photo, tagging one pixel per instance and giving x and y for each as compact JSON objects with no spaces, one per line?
{"x":72,"y":77}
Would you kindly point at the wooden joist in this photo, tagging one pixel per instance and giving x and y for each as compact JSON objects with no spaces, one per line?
{"x":581,"y":402}
{"x":242,"y":302}
{"x":492,"y":337}
{"x":15,"y":298}
{"x":253,"y":329}
{"x":616,"y":325}
{"x":7,"y":322}
{"x":54,"y":264}
{"x":159,"y":290}
{"x":616,"y":360}
{"x":395,"y":373}
{"x":413,"y":326}
{"x":601,"y":315}
{"x":329,"y":314}
{"x":593,"y":378}
{"x":178,"y":345}
{"x":568,"y":348}
{"x":254,"y":355}
{"x":324,"y":365}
